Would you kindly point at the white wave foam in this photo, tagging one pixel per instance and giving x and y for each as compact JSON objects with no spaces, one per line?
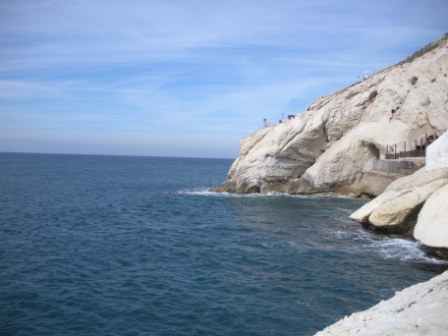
{"x":350,"y":232}
{"x":395,"y":248}
{"x":401,"y":249}
{"x":311,"y":196}
{"x":341,"y":234}
{"x":196,"y":192}
{"x":347,"y":211}
{"x":207,"y":192}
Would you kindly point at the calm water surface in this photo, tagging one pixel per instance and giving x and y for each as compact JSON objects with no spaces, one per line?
{"x":104,"y":245}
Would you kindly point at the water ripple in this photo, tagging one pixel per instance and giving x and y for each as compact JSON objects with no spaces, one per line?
{"x":138,"y":246}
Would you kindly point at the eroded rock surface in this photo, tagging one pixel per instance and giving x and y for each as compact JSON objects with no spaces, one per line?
{"x":397,"y":208}
{"x":418,"y":310}
{"x":331,"y":146}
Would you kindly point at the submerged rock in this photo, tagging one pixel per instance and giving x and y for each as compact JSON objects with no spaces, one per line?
{"x":417,"y":310}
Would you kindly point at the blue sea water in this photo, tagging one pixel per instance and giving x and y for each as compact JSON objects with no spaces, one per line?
{"x":110,"y":245}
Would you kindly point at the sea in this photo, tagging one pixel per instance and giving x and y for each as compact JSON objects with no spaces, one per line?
{"x":118,"y":245}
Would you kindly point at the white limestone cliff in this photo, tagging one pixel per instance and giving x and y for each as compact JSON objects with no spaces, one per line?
{"x":329,"y":147}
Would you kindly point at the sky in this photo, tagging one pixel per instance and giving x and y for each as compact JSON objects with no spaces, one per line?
{"x":186,"y":78}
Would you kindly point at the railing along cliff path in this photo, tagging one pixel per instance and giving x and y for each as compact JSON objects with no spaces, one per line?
{"x":418,"y":151}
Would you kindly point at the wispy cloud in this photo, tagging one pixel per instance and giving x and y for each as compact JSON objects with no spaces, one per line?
{"x":179,"y":69}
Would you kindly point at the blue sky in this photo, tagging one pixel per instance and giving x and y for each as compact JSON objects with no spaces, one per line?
{"x":186,"y":78}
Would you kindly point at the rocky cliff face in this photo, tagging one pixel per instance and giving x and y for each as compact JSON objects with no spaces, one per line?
{"x":329,"y":147}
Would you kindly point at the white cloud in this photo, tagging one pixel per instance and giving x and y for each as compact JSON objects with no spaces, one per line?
{"x":18,"y":89}
{"x":92,"y":32}
{"x":188,"y":66}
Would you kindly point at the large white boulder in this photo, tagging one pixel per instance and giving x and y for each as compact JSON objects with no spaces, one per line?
{"x":432,"y":224}
{"x":396,"y":209}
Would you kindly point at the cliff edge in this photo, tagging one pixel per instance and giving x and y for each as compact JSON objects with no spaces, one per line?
{"x":332,"y":147}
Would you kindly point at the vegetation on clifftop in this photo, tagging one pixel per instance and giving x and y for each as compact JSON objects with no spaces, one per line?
{"x":429,"y":47}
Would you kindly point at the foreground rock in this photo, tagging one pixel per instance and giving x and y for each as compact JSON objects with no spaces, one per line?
{"x":334,"y":144}
{"x":432,"y":223}
{"x":397,"y":208}
{"x":417,"y":310}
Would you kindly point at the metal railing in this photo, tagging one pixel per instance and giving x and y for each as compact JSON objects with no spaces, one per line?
{"x":418,"y":151}
{"x":406,"y":154}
